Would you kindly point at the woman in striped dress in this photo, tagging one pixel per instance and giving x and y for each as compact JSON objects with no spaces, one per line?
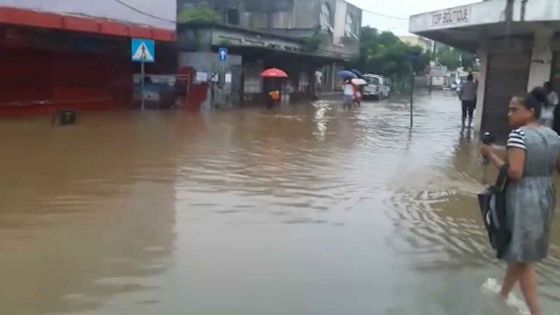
{"x":532,"y":156}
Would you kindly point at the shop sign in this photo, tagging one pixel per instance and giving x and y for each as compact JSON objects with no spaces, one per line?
{"x":454,"y":16}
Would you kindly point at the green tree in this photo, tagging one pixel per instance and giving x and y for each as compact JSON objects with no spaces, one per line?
{"x":454,"y":58}
{"x":385,"y":54}
{"x":313,"y":43}
{"x":202,"y":13}
{"x":449,"y":57}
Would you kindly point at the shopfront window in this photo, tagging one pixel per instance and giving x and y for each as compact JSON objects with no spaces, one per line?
{"x":325,"y":17}
{"x":232,"y":16}
{"x":349,"y":27}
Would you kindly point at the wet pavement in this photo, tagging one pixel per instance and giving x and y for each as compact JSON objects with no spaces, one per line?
{"x":312,"y":210}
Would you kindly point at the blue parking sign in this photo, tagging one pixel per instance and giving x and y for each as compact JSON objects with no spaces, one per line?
{"x":222,"y":54}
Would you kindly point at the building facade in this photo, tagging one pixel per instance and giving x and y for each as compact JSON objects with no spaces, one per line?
{"x":338,"y":20}
{"x":61,"y":54}
{"x":424,"y":43}
{"x":517,"y":42}
{"x":300,"y":36}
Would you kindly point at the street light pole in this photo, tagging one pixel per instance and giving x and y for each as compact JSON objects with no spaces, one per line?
{"x":142,"y":83}
{"x":411,"y":95}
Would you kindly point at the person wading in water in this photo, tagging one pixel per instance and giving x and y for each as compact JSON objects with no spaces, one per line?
{"x":533,"y":154}
{"x":467,"y":95}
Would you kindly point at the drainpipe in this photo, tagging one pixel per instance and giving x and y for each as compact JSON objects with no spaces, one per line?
{"x":509,"y":14}
{"x":269,"y":12}
{"x":523,"y":9}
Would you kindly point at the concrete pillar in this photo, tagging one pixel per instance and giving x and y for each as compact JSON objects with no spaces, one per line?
{"x":482,"y":54}
{"x":541,"y":59}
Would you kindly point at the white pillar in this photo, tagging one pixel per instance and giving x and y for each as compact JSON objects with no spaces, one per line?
{"x":482,"y":54}
{"x":541,"y":59}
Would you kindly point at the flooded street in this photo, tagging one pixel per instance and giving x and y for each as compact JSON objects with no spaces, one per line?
{"x":314,"y":210}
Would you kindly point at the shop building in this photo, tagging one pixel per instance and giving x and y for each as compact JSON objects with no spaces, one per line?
{"x":517,"y":42}
{"x":60,"y":54}
{"x":299,"y":36}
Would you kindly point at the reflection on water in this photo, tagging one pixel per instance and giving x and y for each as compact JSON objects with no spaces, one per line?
{"x":311,"y":210}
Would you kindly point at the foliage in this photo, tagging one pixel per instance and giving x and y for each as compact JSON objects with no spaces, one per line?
{"x":454,"y":58}
{"x":385,"y":54}
{"x":449,"y":57}
{"x":202,"y":13}
{"x":313,"y":43}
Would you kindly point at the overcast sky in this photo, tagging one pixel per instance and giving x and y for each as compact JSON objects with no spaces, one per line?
{"x":400,"y":8}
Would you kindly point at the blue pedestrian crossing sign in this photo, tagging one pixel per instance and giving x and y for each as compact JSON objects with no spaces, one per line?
{"x":143,"y":50}
{"x":222,"y":54}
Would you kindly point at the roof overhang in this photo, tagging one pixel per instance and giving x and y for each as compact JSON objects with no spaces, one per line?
{"x":23,"y":17}
{"x":467,"y":26}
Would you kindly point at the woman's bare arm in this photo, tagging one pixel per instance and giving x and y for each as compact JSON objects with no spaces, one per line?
{"x":516,"y":160}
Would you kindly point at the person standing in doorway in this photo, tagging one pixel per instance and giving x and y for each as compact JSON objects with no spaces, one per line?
{"x":547,"y":111}
{"x":318,"y":83}
{"x":532,"y":157}
{"x":467,"y":95}
{"x":551,"y":95}
{"x":553,"y":101}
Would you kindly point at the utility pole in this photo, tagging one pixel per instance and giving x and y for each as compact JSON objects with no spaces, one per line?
{"x":412,"y":94}
{"x":412,"y":59}
{"x":142,"y":77}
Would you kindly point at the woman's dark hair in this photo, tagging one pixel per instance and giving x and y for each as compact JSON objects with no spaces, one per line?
{"x":539,"y":93}
{"x":529,"y":101}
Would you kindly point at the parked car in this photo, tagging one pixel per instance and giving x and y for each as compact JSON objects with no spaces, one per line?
{"x":378,"y":86}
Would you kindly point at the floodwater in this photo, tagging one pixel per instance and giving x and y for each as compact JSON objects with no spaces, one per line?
{"x":312,"y":210}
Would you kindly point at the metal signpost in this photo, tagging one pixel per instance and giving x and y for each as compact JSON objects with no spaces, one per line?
{"x":412,"y":59}
{"x":143,"y":51}
{"x":223,"y":55}
{"x":222,"y":58}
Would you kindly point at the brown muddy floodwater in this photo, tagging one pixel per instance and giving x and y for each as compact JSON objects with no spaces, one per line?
{"x":314,"y":210}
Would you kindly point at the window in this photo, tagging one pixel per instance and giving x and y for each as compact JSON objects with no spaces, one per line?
{"x":325,"y":17}
{"x":374,"y":80}
{"x":350,"y":27}
{"x":232,"y":16}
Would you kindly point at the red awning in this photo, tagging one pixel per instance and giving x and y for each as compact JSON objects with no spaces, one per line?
{"x":82,"y":24}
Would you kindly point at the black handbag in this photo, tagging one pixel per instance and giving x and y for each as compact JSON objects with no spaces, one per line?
{"x":492,"y":203}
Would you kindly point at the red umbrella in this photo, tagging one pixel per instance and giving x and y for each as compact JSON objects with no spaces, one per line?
{"x":274,"y":73}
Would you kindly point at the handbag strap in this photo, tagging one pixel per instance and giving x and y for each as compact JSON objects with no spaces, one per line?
{"x":501,"y":181}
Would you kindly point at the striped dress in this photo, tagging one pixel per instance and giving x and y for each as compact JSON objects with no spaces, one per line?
{"x":531,"y":201}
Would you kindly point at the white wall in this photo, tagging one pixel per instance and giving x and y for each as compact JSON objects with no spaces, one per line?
{"x":111,"y":9}
{"x":339,"y":21}
{"x":539,"y":10}
{"x":541,"y":59}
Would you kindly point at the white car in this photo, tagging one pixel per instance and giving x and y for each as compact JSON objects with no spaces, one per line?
{"x":378,"y":86}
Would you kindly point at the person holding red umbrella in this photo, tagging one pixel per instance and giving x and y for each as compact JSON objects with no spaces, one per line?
{"x":274,"y":96}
